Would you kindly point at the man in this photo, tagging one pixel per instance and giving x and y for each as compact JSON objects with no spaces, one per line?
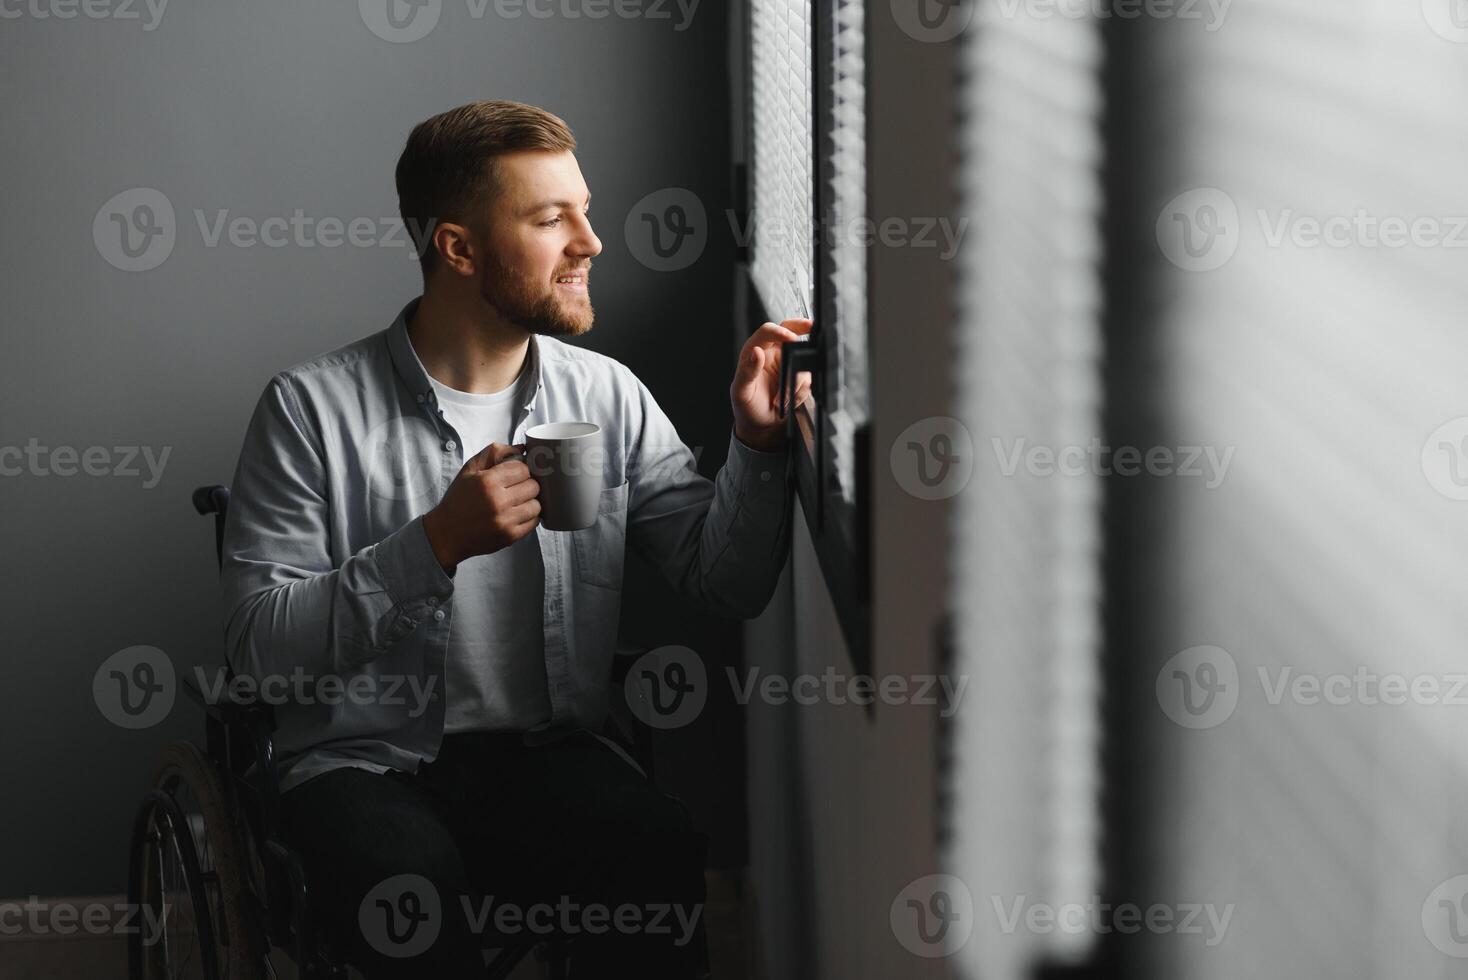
{"x":384,"y":534}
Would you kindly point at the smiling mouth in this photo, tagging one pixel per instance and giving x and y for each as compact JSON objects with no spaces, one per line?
{"x":574,"y":280}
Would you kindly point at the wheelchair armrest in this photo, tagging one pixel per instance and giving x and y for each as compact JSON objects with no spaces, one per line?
{"x":250,"y":725}
{"x":226,"y":711}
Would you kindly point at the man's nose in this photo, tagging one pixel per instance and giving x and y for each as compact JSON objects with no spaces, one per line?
{"x":586,"y":243}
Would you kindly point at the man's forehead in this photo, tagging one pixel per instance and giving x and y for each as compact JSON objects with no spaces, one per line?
{"x":532,"y":178}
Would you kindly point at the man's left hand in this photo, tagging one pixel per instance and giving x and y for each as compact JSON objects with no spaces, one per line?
{"x":755,"y":391}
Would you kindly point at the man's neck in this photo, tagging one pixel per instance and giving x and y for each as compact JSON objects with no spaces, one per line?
{"x":477,"y":353}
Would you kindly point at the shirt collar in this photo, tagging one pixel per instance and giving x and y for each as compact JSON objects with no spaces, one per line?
{"x":410,"y":369}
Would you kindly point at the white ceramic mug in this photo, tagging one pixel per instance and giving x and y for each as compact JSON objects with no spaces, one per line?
{"x":567,"y":460}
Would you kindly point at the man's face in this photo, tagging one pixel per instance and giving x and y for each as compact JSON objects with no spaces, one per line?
{"x":540,"y":244}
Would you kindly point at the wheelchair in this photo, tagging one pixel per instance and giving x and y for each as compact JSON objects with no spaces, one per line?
{"x":207,"y":858}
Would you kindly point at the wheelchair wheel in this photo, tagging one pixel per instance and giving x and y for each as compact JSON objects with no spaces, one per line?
{"x":187,"y":873}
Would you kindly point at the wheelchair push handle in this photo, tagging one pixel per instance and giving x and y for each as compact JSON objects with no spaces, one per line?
{"x":211,"y":500}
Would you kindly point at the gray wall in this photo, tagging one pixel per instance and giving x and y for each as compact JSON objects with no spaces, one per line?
{"x":262,"y":109}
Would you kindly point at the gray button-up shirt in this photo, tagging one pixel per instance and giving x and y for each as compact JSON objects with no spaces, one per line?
{"x":330,"y":588}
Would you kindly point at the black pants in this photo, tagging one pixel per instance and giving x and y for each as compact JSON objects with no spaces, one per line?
{"x":497,"y":842}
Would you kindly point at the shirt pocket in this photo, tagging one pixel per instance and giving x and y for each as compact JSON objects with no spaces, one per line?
{"x":601,"y":548}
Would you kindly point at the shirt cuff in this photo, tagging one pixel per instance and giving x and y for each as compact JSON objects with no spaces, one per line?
{"x":408,"y":566}
{"x":756,"y":474}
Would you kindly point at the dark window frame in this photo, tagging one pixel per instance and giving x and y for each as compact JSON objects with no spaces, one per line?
{"x":840,"y":529}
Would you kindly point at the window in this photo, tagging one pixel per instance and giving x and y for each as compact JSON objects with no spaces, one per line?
{"x":1026,"y":555}
{"x":783,"y":194}
{"x":1304,"y":302}
{"x":808,"y":198}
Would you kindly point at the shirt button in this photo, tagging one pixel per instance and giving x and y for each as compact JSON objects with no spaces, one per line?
{"x":438,"y":616}
{"x":765,"y":476}
{"x":450,"y":446}
{"x":433,"y":600}
{"x":420,"y":399}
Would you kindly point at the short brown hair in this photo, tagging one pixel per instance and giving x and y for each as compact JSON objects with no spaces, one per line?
{"x":447,"y":170}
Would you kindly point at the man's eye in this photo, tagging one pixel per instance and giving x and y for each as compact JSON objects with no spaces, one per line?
{"x":551,"y":223}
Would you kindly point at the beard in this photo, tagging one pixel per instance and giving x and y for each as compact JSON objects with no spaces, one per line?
{"x":535,"y":306}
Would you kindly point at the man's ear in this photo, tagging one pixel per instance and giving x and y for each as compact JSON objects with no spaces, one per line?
{"x":455,"y":247}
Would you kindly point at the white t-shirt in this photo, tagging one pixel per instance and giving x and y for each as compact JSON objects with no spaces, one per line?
{"x":496,"y":661}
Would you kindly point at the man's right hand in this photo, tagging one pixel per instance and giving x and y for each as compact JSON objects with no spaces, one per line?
{"x":490,"y":505}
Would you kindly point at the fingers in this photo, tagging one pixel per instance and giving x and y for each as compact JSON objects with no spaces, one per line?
{"x":508,"y":473}
{"x":490,"y":456}
{"x":525,"y":516}
{"x":517,"y":493}
{"x":750,"y":370}
{"x":777,"y":333}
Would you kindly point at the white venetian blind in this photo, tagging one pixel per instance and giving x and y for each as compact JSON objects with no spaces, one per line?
{"x":1025,"y":783}
{"x":849,"y":396}
{"x":782,"y":196}
{"x":784,"y":193}
{"x":1299,"y":325}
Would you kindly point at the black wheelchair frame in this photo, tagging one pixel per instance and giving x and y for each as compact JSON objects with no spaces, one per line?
{"x":206,"y":824}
